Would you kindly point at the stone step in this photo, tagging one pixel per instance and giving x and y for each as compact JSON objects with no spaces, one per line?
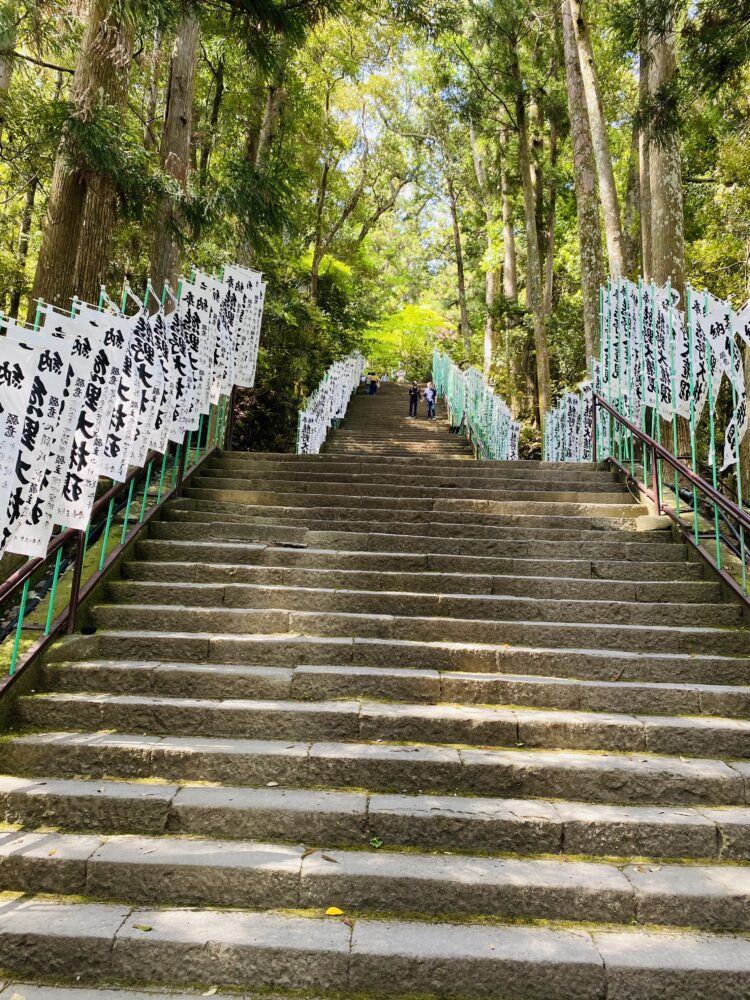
{"x":689,"y":736}
{"x":143,"y":870}
{"x":267,"y":949}
{"x":679,"y":591}
{"x":491,"y":607}
{"x":328,"y":681}
{"x":225,"y":624}
{"x":281,"y":814}
{"x":613,"y":493}
{"x":599,"y":506}
{"x":617,"y":778}
{"x":313,"y":461}
{"x":236,"y":463}
{"x":234,"y":478}
{"x":385,"y":523}
{"x":655,"y":528}
{"x":293,"y":649}
{"x":209,"y":525}
{"x":377,"y":558}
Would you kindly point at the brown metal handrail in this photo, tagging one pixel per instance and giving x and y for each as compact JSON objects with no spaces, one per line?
{"x":660,"y":453}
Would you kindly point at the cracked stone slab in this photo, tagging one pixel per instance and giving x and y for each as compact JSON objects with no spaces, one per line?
{"x":433,"y":958}
{"x":50,"y":938}
{"x":237,"y":948}
{"x":663,"y":966}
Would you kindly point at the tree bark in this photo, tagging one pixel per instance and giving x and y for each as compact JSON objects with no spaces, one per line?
{"x":149,"y":129}
{"x":584,"y":176}
{"x":533,"y":265}
{"x":7,"y":62}
{"x":665,"y":169}
{"x":549,"y":255}
{"x":207,"y":144}
{"x":510,"y":270}
{"x":101,"y":78}
{"x":631,"y":221}
{"x":175,"y":148}
{"x":644,"y":162}
{"x":464,"y":328}
{"x":22,"y":249}
{"x":600,"y":142}
{"x":318,"y":252}
{"x":491,"y":274}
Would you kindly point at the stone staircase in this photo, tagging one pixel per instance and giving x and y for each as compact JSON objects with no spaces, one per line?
{"x":488,"y":715}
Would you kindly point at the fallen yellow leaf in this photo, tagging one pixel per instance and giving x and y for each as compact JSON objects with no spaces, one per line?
{"x":334,"y":911}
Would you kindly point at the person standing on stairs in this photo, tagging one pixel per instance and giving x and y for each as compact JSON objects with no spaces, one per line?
{"x":414,"y":397}
{"x":429,"y":395}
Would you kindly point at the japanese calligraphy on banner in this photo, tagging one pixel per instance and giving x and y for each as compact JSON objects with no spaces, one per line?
{"x":657,"y":355}
{"x":90,"y":393}
{"x":328,"y":403}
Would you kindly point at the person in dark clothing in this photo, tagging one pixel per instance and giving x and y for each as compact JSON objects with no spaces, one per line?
{"x":414,"y":396}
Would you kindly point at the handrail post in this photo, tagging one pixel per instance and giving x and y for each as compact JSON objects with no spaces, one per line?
{"x":230,"y":420}
{"x":181,"y":465}
{"x":594,"y":442}
{"x":657,"y":484}
{"x":75,"y":587}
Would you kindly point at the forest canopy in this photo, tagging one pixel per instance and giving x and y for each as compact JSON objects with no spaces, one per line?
{"x":405,"y":174}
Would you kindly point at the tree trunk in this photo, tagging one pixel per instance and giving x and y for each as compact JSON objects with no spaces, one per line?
{"x":175,"y":148}
{"x":275,"y":98}
{"x":207,"y":144}
{"x":533,"y":265}
{"x":510,"y":288}
{"x":464,"y":328}
{"x":535,"y":119}
{"x":491,"y":274}
{"x":549,"y":256}
{"x":644,"y":162}
{"x":318,"y":254}
{"x":7,"y":62}
{"x":587,"y":202}
{"x":665,"y":168}
{"x":631,"y":222}
{"x":22,"y":249}
{"x":101,"y":78}
{"x":149,"y":129}
{"x":510,"y":270}
{"x":600,"y":142}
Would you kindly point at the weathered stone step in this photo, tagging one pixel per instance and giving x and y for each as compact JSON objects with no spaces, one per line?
{"x":187,"y":510}
{"x":402,"y":484}
{"x":292,"y":649}
{"x":602,"y":608}
{"x":322,"y":460}
{"x":654,"y":527}
{"x":327,"y":681}
{"x":377,"y":558}
{"x":704,"y":736}
{"x":449,"y":472}
{"x":614,"y":494}
{"x":577,"y":506}
{"x":225,"y":623}
{"x":679,"y":591}
{"x":266,"y":949}
{"x":143,"y":870}
{"x":284,"y":814}
{"x":561,"y":774}
{"x":207,"y":525}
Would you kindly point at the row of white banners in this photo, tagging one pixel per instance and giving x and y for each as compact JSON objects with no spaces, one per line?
{"x":473,"y":404}
{"x":654,"y":354}
{"x":328,"y":403}
{"x":89,"y":394}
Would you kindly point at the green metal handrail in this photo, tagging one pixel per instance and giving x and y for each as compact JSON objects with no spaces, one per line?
{"x":140,"y":497}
